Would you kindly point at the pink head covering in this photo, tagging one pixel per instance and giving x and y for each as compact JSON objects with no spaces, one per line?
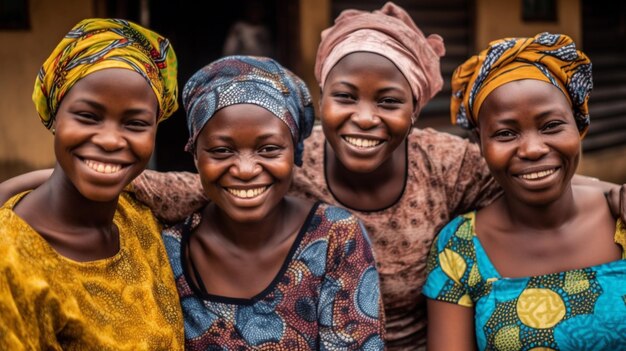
{"x":389,"y":32}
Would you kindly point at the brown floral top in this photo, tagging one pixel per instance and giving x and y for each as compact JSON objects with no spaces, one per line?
{"x":446,"y":177}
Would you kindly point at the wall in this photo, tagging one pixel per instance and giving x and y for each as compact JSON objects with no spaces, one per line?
{"x":314,"y":18}
{"x":497,"y":19}
{"x":24,"y":143}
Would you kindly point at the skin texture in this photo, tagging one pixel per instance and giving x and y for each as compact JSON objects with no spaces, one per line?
{"x":542,"y":224}
{"x":105,"y":132}
{"x":366,"y":112}
{"x":245,"y":241}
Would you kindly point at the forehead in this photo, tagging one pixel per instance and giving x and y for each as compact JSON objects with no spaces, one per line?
{"x":120,"y":83}
{"x":365,"y":64}
{"x":245,"y":121}
{"x":527,"y":96}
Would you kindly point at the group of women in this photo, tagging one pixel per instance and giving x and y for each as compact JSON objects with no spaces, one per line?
{"x":295,"y":236}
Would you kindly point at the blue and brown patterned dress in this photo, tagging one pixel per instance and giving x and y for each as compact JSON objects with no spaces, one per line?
{"x":326,"y":295}
{"x":580,"y":309}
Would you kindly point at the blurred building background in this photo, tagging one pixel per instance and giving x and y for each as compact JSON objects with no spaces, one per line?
{"x":198,"y":30}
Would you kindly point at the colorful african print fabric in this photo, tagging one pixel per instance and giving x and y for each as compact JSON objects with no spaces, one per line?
{"x":95,"y":44}
{"x":325,"y":297}
{"x":253,"y":80}
{"x":580,"y":309}
{"x":552,"y":58}
{"x":124,"y":302}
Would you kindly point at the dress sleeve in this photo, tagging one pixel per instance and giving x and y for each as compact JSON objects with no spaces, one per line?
{"x":451,"y":264}
{"x":172,"y":196}
{"x":470,"y":184}
{"x":350,"y":314}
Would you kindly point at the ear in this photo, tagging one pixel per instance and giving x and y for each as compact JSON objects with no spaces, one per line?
{"x":319,"y":101}
{"x":475,"y":136}
{"x":195,"y":156}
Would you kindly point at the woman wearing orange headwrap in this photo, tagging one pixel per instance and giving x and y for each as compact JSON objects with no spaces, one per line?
{"x":83,"y":266}
{"x":542,"y":267}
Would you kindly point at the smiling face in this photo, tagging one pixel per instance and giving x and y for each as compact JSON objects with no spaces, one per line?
{"x":530,"y":140}
{"x":366,"y":108}
{"x":245,"y":158}
{"x":105,"y":132}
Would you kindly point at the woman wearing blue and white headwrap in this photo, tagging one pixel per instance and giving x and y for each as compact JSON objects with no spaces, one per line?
{"x":256,"y":268}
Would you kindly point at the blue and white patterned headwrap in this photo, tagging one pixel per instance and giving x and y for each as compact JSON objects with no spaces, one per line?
{"x":253,"y":80}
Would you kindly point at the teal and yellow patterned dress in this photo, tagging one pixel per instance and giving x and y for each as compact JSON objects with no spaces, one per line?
{"x":580,"y":309}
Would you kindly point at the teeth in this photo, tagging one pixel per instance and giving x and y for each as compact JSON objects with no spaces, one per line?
{"x":537,"y":175}
{"x":246,"y":194}
{"x":106,"y":168}
{"x":364,"y":143}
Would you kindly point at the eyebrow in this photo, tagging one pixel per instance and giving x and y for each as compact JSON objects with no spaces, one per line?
{"x":102,"y":107}
{"x":382,"y":90}
{"x":261,"y":137}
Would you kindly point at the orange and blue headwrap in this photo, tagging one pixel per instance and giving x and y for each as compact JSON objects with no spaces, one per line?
{"x":96,"y":44}
{"x":253,"y":80}
{"x":552,"y":58}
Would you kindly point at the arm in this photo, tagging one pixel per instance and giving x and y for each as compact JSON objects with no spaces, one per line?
{"x":469,"y":183}
{"x":21,"y":183}
{"x":615,"y":194}
{"x":450,"y":327}
{"x":350,"y":314}
{"x":172,"y":196}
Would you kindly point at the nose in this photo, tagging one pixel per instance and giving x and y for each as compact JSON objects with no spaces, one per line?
{"x":365,"y":116}
{"x":532,"y":147}
{"x":246,"y":167}
{"x":109,"y":138}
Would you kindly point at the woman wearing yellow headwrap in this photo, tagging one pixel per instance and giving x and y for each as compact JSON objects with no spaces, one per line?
{"x":543,"y":266}
{"x":83,"y":266}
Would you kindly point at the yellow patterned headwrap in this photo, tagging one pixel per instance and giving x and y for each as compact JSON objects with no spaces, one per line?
{"x":551,"y":58}
{"x":95,"y":44}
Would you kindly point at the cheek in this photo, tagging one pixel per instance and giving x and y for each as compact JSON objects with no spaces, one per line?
{"x":208,"y":171}
{"x":282,"y":168}
{"x":143,"y":145}
{"x":496,"y":156}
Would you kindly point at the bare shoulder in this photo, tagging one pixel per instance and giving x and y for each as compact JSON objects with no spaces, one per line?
{"x":590,"y":199}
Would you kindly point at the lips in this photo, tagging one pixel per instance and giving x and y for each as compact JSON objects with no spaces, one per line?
{"x":363,"y":143}
{"x":103,"y":167}
{"x":247,"y":193}
{"x":537,"y":175}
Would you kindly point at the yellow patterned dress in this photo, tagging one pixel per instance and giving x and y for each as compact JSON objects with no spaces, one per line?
{"x":125,"y":302}
{"x":580,"y":309}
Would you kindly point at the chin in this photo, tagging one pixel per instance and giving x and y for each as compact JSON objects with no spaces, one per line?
{"x":100,"y":193}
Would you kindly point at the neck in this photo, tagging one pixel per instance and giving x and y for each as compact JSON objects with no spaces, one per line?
{"x":546,"y":217}
{"x":65,"y":204}
{"x":389,"y":171}
{"x":253,"y":235}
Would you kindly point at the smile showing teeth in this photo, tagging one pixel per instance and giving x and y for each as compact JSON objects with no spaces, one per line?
{"x":100,"y":167}
{"x":537,"y":175}
{"x":247,"y":193}
{"x":362,"y":143}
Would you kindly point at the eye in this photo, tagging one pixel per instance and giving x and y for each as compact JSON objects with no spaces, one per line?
{"x":390,"y":102}
{"x":86,"y":117}
{"x":343,"y":97}
{"x":552,"y":126}
{"x":504,"y":135}
{"x":270,"y":150}
{"x":138,"y":125}
{"x":220,"y":152}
